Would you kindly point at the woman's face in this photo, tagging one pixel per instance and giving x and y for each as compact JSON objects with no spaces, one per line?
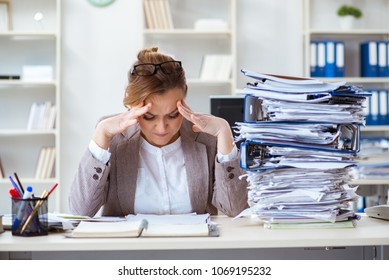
{"x":160,"y":126}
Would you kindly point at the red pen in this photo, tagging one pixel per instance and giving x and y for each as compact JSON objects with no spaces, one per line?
{"x":14,"y":193}
{"x":52,"y":189}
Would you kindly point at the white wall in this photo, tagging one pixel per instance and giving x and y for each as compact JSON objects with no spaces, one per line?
{"x":100,"y":44}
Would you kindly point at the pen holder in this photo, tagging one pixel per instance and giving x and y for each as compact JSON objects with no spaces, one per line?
{"x":29,"y":216}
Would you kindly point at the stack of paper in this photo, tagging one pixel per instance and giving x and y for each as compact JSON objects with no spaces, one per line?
{"x":301,"y":137}
{"x":373,"y":162}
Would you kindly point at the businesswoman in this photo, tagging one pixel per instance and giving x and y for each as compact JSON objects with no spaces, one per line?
{"x":159,"y":157}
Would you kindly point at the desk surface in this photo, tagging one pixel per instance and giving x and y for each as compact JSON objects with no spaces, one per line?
{"x":234,"y":234}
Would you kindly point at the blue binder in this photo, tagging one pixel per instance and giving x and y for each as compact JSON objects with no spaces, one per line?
{"x":382,"y":58}
{"x":330,"y":66}
{"x":374,"y":108}
{"x":369,"y":59}
{"x":367,"y":110}
{"x":255,"y":154}
{"x":321,"y":59}
{"x":383,"y":107}
{"x":339,"y":59}
{"x":313,"y":58}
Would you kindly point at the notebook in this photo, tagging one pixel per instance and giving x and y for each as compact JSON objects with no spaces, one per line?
{"x":188,"y":225}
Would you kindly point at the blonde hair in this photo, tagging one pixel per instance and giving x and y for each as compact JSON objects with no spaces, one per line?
{"x":139,"y":88}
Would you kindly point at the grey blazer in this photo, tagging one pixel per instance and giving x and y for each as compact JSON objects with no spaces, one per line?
{"x":212,"y":185}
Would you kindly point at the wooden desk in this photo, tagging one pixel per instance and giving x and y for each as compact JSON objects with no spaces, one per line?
{"x":242,"y":238}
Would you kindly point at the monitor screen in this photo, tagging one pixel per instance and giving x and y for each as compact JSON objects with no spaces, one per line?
{"x":228,"y":107}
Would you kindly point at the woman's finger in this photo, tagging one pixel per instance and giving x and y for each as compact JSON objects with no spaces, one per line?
{"x":136,"y":112}
{"x":185,"y":112}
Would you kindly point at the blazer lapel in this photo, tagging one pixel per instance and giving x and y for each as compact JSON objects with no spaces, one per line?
{"x":127,"y":166}
{"x":196,"y":165}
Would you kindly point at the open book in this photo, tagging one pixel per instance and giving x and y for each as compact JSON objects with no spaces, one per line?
{"x":187,"y":225}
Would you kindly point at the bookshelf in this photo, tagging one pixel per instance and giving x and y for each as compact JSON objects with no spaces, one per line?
{"x":321,"y":23}
{"x":197,"y":29}
{"x":33,"y":38}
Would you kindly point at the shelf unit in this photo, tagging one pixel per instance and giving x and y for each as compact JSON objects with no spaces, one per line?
{"x":29,"y":42}
{"x":320,"y":22}
{"x":190,"y":45}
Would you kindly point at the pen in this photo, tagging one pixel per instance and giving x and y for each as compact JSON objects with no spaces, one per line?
{"x":44,"y":196}
{"x":19,"y":183}
{"x":27,"y":194}
{"x":16,"y":186}
{"x":52,"y":189}
{"x":14,"y":193}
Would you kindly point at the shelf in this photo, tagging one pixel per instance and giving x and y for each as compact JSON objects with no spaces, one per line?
{"x":356,"y":80}
{"x":22,"y":83}
{"x":25,"y":132}
{"x":370,"y":181}
{"x":188,"y":32}
{"x":320,"y":23}
{"x":208,"y":83}
{"x":30,"y":43}
{"x":20,"y":35}
{"x":30,"y":181}
{"x":367,"y":32}
{"x":375,"y":128}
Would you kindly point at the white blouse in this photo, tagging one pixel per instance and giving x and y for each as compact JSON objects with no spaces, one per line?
{"x":162,"y":186}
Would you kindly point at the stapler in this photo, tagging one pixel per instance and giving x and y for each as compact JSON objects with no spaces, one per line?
{"x":378,"y":211}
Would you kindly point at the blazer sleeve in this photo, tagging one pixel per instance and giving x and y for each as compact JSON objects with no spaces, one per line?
{"x":89,"y":188}
{"x":230,"y":192}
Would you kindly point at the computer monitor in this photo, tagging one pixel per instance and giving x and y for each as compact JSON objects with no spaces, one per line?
{"x":228,"y":107}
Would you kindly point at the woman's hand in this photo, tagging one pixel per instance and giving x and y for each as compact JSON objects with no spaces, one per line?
{"x":109,"y":127}
{"x":209,"y":124}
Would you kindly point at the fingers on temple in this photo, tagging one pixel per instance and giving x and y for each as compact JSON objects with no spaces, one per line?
{"x":139,"y":111}
{"x":186,"y":112}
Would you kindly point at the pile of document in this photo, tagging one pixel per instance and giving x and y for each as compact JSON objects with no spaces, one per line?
{"x":373,"y":160}
{"x":301,"y":137}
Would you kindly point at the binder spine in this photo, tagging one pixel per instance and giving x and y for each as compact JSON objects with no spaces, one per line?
{"x":321,"y":59}
{"x":339,"y":59}
{"x":369,"y":59}
{"x":383,"y":107}
{"x":253,"y":111}
{"x":313,"y":59}
{"x":382,"y":59}
{"x":330,"y":66}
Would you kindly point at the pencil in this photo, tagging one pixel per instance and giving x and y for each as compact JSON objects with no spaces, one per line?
{"x":44,"y":196}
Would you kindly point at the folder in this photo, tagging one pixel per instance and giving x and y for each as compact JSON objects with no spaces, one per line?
{"x":369,"y":59}
{"x":374,"y":107}
{"x":382,"y":59}
{"x":340,"y":108}
{"x":367,"y":110}
{"x":313,"y":58}
{"x":330,"y":66}
{"x":321,"y":59}
{"x":387,"y":58}
{"x":383,"y":107}
{"x":339,"y":59}
{"x":257,"y":155}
